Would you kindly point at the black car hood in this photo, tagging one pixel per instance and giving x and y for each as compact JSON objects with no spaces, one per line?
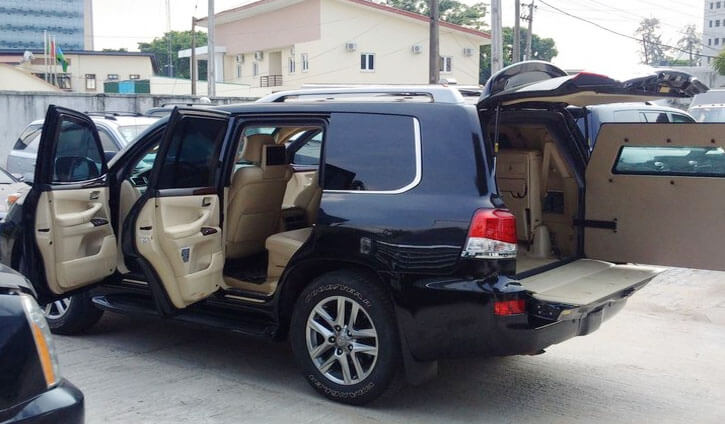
{"x":13,"y":281}
{"x":542,"y":82}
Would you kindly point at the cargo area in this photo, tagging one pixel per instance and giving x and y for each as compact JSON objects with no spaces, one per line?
{"x":540,"y":189}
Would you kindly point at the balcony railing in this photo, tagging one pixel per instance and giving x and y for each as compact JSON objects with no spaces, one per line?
{"x":270,"y":81}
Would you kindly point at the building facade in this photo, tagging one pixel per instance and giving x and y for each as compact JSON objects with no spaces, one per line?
{"x":713,"y":32}
{"x":22,"y":23}
{"x":285,"y":44}
{"x":87,"y":70}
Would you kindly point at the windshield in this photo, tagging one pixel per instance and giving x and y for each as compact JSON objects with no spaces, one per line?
{"x":708,"y":114}
{"x":130,"y":132}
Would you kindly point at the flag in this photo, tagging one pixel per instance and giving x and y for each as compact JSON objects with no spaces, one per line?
{"x":60,"y":58}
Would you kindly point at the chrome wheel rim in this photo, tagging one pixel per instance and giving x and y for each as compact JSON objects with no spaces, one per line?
{"x":341,"y":340}
{"x":57,"y":309}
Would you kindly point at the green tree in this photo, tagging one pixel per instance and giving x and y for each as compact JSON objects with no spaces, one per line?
{"x":652,"y":50}
{"x":541,"y":49}
{"x":451,"y":11}
{"x":175,"y":41}
{"x":719,"y":63}
{"x":122,"y":49}
{"x":691,"y":43}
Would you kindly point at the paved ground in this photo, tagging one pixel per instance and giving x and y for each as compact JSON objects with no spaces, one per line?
{"x":661,"y":360}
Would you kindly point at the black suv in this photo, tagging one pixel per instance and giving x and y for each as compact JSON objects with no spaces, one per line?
{"x":375,"y":234}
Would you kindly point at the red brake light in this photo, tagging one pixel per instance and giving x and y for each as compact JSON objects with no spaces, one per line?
{"x":509,"y":307}
{"x":494,"y":224}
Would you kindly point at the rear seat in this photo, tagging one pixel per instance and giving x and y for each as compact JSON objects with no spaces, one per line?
{"x":281,"y":247}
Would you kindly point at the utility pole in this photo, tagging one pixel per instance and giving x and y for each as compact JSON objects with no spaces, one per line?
{"x":434,"y":61}
{"x":168,"y":35}
{"x":517,"y":33}
{"x":496,"y":37}
{"x":193,"y":56}
{"x":211,"y":62}
{"x":530,"y":18}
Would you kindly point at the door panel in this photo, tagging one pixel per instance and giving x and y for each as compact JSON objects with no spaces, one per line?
{"x":182,"y":240}
{"x":75,"y":238}
{"x":654,"y":195}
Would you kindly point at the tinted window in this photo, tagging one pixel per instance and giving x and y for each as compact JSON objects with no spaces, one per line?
{"x":77,"y":156}
{"x":688,"y":161}
{"x":369,"y":152}
{"x":659,"y":117}
{"x":676,"y":117}
{"x":193,"y":153}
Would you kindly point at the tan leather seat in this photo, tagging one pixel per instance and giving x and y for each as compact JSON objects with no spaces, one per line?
{"x":282,"y":246}
{"x":255,"y":196}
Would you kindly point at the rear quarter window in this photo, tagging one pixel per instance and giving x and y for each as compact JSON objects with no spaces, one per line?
{"x":370,"y":152}
{"x":674,"y":161}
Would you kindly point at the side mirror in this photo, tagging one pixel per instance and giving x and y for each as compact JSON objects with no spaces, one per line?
{"x":28,"y":178}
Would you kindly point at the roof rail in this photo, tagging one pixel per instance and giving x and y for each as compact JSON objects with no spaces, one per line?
{"x":186,"y":104}
{"x":112,"y":114}
{"x":379,"y":93}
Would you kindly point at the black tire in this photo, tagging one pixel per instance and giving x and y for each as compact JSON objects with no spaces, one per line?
{"x":81,"y":314}
{"x":378,"y":307}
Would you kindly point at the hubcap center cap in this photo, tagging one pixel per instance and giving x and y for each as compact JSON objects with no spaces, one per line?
{"x":342,"y":339}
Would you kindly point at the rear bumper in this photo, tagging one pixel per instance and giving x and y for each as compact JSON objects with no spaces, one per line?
{"x":457,"y":320}
{"x":61,"y":404}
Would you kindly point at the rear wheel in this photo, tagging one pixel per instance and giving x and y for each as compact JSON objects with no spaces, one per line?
{"x":71,"y":315}
{"x":344,"y":337}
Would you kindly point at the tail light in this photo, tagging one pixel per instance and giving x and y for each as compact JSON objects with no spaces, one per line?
{"x":509,"y":307}
{"x":492,"y":235}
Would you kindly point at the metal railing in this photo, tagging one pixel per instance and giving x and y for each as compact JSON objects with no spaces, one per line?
{"x":270,"y":80}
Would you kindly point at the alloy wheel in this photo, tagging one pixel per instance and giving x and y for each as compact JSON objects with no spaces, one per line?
{"x":57,"y":309}
{"x":341,"y":340}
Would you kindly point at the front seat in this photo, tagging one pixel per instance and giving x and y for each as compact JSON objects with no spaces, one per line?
{"x":255,"y":196}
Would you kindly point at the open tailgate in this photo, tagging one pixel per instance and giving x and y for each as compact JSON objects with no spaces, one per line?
{"x":588,"y":283}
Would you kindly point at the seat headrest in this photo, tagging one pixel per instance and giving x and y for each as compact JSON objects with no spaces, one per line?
{"x":253,"y":145}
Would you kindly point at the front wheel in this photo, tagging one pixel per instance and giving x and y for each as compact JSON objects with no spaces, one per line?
{"x":71,"y":315}
{"x":344,"y":337}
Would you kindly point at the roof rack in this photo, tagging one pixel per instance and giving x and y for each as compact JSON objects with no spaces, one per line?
{"x":112,"y":114}
{"x":186,"y":104}
{"x":391,"y":93}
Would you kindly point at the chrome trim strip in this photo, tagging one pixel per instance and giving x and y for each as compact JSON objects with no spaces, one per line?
{"x":139,"y":282}
{"x":435,"y":246}
{"x":418,"y":169}
{"x":247,"y":299}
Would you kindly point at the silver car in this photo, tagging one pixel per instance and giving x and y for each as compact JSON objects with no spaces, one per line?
{"x":115,"y":130}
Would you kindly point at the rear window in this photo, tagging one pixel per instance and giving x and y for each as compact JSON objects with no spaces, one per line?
{"x":370,"y":152}
{"x":130,"y":132}
{"x":682,"y":161}
{"x":30,"y":133}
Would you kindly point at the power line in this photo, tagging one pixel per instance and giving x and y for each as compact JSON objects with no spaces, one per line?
{"x":619,"y":33}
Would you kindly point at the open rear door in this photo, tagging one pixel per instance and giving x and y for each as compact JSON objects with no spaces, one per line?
{"x":68,"y":208}
{"x":654,"y":195}
{"x":178,"y":228}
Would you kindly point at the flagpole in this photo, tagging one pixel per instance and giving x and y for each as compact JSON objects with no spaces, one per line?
{"x":53,"y":60}
{"x":45,"y":55}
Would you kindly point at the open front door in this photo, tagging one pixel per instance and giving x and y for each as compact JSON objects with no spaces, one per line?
{"x":178,"y":229}
{"x":68,"y":205}
{"x":654,"y":195}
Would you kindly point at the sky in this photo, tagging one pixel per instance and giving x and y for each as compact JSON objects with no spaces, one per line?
{"x":580,"y":44}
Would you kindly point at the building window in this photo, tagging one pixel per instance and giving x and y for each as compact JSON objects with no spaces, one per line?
{"x":717,"y":23}
{"x":709,"y":41}
{"x":710,"y":24}
{"x":446,"y":64}
{"x":717,"y":41}
{"x":239,"y":70}
{"x":367,"y":62}
{"x":305,"y":62}
{"x":717,"y":5}
{"x":255,"y":69}
{"x":90,"y":81}
{"x":134,"y":76}
{"x":112,"y":77}
{"x":291,"y":65}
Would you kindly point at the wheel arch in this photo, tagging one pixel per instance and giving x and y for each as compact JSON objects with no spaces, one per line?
{"x":303,"y":274}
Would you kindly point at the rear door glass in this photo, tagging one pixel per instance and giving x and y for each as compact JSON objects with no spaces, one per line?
{"x":680,"y":160}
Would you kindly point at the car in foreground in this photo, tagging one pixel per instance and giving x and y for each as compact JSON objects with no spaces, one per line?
{"x":376,"y":236}
{"x":115,"y":130}
{"x":31,"y":387}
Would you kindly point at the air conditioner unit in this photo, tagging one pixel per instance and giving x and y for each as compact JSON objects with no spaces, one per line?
{"x":416,"y":49}
{"x":350,"y":46}
{"x":240,"y":58}
{"x":258,"y":55}
{"x":467,"y":51}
